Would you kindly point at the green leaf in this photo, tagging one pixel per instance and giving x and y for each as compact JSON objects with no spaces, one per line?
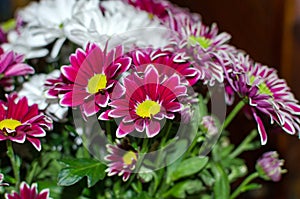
{"x":189,"y":167}
{"x":221,"y":187}
{"x":180,"y":189}
{"x":78,"y":168}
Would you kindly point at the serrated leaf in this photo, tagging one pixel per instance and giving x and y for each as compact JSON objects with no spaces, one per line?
{"x":78,"y":168}
{"x":189,"y":167}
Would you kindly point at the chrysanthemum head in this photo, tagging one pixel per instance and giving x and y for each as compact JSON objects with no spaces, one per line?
{"x":29,"y":192}
{"x":20,"y":122}
{"x":121,"y":161}
{"x":148,"y":99}
{"x":91,"y":77}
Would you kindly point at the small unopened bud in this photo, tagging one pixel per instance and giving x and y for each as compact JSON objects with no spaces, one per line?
{"x":269,"y":166}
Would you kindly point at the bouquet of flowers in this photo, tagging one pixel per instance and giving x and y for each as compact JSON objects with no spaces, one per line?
{"x":131,"y":99}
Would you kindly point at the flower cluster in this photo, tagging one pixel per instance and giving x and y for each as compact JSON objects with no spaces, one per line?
{"x":141,"y":70}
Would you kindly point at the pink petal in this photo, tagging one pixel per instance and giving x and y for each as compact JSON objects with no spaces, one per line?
{"x":123,"y":129}
{"x":90,"y":108}
{"x":104,"y":116}
{"x":261,"y":129}
{"x":20,"y":137}
{"x":153,"y":128}
{"x":72,"y":98}
{"x":140,"y":125}
{"x":35,"y":142}
{"x":69,"y":72}
{"x":44,"y":194}
{"x":19,"y":69}
{"x":102,"y":100}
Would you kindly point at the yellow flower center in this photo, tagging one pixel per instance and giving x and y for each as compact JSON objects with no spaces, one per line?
{"x":9,"y":124}
{"x":129,"y":157}
{"x":147,"y":109}
{"x":97,"y":83}
{"x":262,"y":87}
{"x":150,"y":16}
{"x":202,"y":41}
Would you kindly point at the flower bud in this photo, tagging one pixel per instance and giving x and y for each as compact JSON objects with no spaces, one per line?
{"x":269,"y":166}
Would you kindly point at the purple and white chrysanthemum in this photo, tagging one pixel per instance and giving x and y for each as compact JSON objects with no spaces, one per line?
{"x":147,"y":99}
{"x":27,"y":192}
{"x":93,"y":74}
{"x":20,"y":122}
{"x":12,"y":65}
{"x":265,"y":94}
{"x":120,"y":161}
{"x":201,"y":45}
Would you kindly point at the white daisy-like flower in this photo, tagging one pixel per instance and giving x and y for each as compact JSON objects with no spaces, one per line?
{"x":23,"y":42}
{"x":115,"y":18}
{"x":44,"y":23}
{"x":34,"y":90}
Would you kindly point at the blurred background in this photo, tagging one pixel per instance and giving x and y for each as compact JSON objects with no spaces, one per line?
{"x":269,"y":30}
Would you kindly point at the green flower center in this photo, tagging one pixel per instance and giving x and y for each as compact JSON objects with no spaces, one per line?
{"x":97,"y":83}
{"x":202,"y":41}
{"x":129,"y":157}
{"x":9,"y":124}
{"x":262,"y":87}
{"x":147,"y":109}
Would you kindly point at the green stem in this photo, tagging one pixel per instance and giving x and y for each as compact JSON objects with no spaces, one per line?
{"x":233,"y":113}
{"x":13,"y":160}
{"x":168,"y":130}
{"x":108,"y":131}
{"x":244,"y":146}
{"x":241,"y":189}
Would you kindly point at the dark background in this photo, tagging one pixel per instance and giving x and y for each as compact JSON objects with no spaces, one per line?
{"x":269,"y":30}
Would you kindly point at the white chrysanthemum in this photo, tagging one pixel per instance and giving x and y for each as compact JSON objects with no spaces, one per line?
{"x":115,"y":18}
{"x":24,"y":43}
{"x":44,"y":25}
{"x":34,"y":90}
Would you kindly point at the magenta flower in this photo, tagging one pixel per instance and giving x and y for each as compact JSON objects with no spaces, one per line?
{"x":147,"y":98}
{"x":266,"y":94}
{"x":121,"y":161}
{"x":20,"y":122}
{"x":11,"y":65}
{"x":27,"y":192}
{"x":93,"y":74}
{"x":269,"y":166}
{"x":166,"y":63}
{"x":201,"y":45}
